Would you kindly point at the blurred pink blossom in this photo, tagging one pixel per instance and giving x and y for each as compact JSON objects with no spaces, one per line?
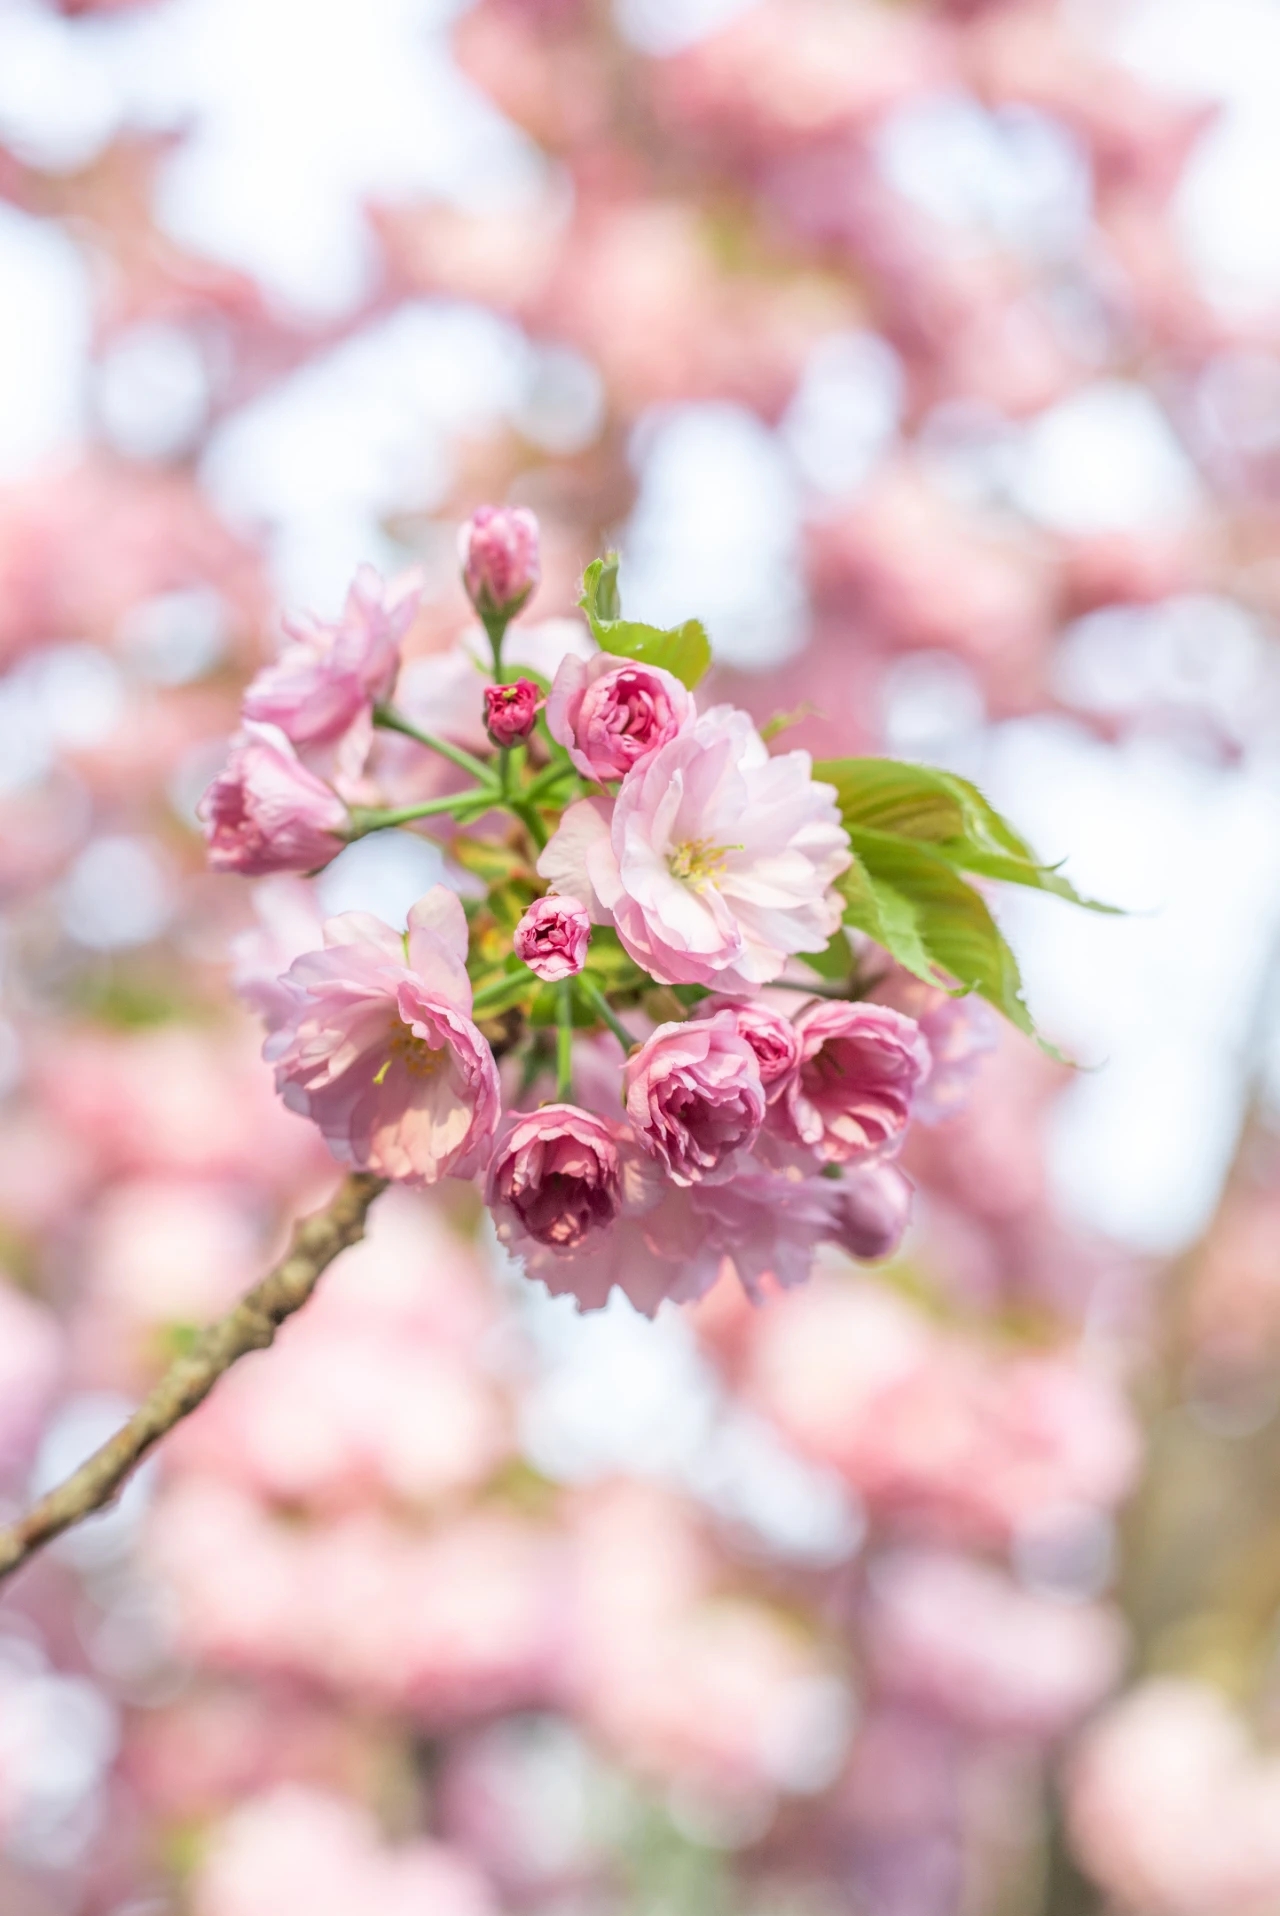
{"x":552,"y":937}
{"x":498,"y":550}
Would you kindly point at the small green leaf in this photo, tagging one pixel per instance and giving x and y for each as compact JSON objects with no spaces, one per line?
{"x":683,"y":650}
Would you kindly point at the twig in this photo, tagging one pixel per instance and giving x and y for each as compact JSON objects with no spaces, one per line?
{"x":250,"y":1326}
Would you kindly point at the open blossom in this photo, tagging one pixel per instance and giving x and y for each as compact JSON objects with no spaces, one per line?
{"x":553,"y":936}
{"x":767,"y":1226}
{"x":380,"y":1051}
{"x":555,"y":1177}
{"x":330,"y":675}
{"x":510,"y":711}
{"x":860,"y":1066}
{"x":265,"y":812}
{"x":694,"y":1095}
{"x":498,"y":551}
{"x":771,"y":1036}
{"x":715,"y":863}
{"x":612,"y":715}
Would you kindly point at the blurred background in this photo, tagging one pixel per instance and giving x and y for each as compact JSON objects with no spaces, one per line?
{"x":931,"y":353}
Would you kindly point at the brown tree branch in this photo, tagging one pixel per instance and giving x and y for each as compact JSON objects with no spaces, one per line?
{"x":250,"y":1326}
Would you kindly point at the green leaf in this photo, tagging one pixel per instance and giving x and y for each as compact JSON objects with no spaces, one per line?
{"x":928,"y":911}
{"x":683,"y":650}
{"x":947,"y":812}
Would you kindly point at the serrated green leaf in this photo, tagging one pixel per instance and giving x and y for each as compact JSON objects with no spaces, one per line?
{"x":883,"y":914}
{"x":940,"y":809}
{"x":930,"y":909}
{"x":683,"y":650}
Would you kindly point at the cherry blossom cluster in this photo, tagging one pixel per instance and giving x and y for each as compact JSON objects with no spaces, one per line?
{"x":674,"y":876}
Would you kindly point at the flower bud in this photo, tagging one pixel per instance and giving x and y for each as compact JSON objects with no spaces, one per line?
{"x":553,"y":936}
{"x":498,"y":550}
{"x":510,"y":710}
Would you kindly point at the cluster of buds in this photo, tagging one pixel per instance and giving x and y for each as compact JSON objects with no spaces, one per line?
{"x":622,"y":1038}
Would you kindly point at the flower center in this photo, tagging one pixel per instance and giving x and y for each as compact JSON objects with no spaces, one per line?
{"x":414,"y":1053}
{"x":698,"y":860}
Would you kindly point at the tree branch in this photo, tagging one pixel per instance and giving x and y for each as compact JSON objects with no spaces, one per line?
{"x":250,"y":1326}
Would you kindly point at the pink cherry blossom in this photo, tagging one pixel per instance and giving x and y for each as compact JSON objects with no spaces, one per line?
{"x":716,"y":863}
{"x":860,"y":1066}
{"x":767,"y":1226}
{"x":771,"y":1036}
{"x":510,"y":711}
{"x":554,"y":1177}
{"x":694,"y":1095}
{"x":380,"y":1050}
{"x":553,"y":936}
{"x":265,"y":812}
{"x":611,"y":715}
{"x":498,"y":552}
{"x":330,"y":675}
{"x":958,"y":1638}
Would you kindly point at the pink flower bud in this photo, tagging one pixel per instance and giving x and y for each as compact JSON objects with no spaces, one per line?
{"x":860,"y":1067}
{"x":498,"y":550}
{"x":555,"y":1177}
{"x":871,"y":1206}
{"x":553,"y":936}
{"x":694,"y":1095}
{"x":265,"y":812}
{"x":611,"y":715}
{"x":510,"y":710}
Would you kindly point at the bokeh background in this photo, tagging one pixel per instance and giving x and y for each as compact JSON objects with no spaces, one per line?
{"x":931,"y":353}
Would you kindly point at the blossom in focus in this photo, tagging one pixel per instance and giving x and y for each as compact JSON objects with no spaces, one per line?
{"x":498,"y":552}
{"x":552,"y":937}
{"x":860,"y":1067}
{"x":380,"y":1050}
{"x":554,"y":1177}
{"x":771,"y":1036}
{"x":510,"y":711}
{"x":611,"y":715}
{"x":657,"y":1250}
{"x":329,"y":676}
{"x":694,"y":1095}
{"x":872,"y":1208}
{"x":959,"y":1032}
{"x":265,"y":812}
{"x":716,"y":862}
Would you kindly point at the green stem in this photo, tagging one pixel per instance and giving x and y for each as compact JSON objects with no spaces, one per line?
{"x":545,"y":780}
{"x":493,"y":994}
{"x":594,"y":998}
{"x":564,"y":1042}
{"x":365,"y":820}
{"x":393,"y":722}
{"x":528,"y":817}
{"x":495,"y":624}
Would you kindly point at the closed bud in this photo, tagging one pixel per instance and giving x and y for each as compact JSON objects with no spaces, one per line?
{"x":510,"y":711}
{"x":498,"y":548}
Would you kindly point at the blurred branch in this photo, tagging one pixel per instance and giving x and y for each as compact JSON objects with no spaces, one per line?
{"x":250,"y":1326}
